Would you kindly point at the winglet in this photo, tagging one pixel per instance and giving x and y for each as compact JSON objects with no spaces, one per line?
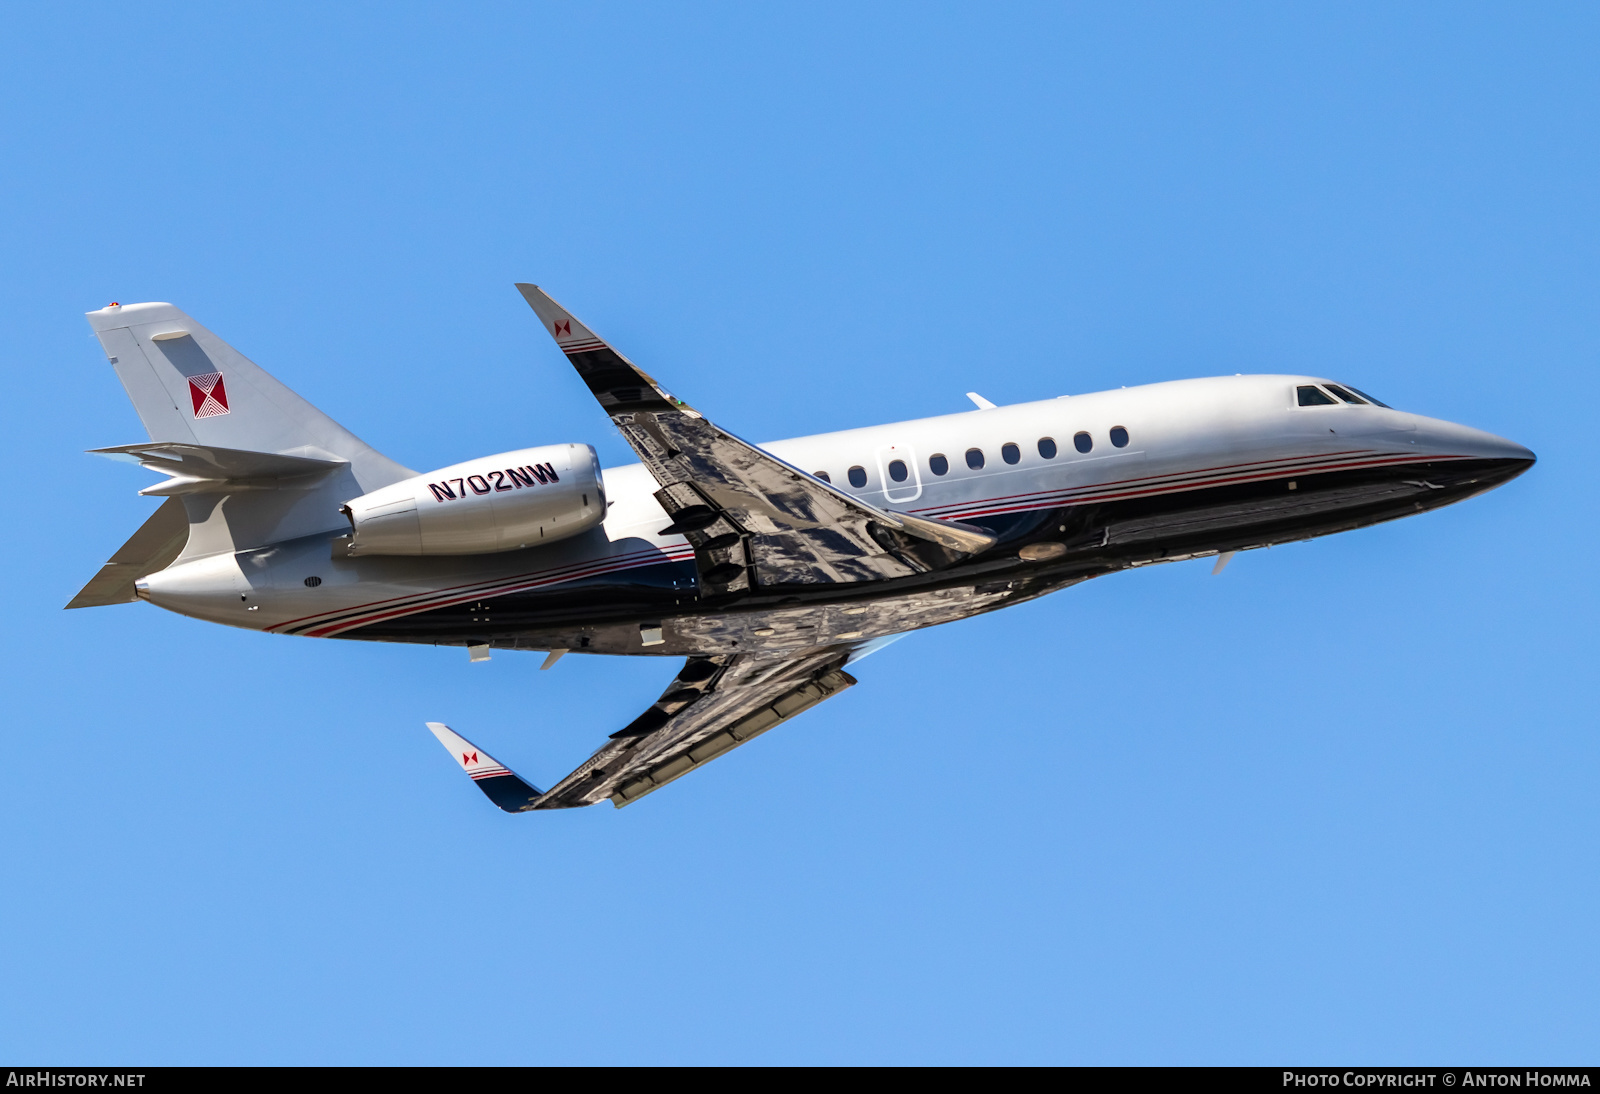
{"x":620,"y":385}
{"x":499,"y":783}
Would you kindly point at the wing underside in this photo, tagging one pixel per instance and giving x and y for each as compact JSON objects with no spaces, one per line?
{"x":714,"y":705}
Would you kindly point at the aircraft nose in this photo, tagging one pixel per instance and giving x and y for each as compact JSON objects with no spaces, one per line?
{"x":1462,"y":440}
{"x":1490,"y":461}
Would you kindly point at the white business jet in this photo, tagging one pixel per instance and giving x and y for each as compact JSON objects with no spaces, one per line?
{"x":767,"y":568}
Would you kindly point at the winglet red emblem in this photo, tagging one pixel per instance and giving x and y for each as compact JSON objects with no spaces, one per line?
{"x":563,"y":327}
{"x":210,"y":398}
{"x":469,"y":757}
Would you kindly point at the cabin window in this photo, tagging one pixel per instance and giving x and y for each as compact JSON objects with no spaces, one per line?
{"x":1345,"y":394}
{"x":1306,"y":395}
{"x":938,"y":464}
{"x":858,"y":476}
{"x":975,"y":458}
{"x":823,"y":475}
{"x":897,"y":470}
{"x":1082,"y":442}
{"x":1047,"y":447}
{"x":1010,"y":452}
{"x":1119,"y":436}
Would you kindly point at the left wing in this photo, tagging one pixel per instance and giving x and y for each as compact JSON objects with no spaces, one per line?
{"x":715,"y":705}
{"x":755,"y":521}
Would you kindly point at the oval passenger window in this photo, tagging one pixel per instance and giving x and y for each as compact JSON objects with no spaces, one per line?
{"x":1119,"y":436}
{"x":975,"y":458}
{"x":897,"y":470}
{"x":858,"y":476}
{"x":1082,"y":442}
{"x":1010,"y":452}
{"x":823,"y":475}
{"x":938,"y":464}
{"x":1047,"y":447}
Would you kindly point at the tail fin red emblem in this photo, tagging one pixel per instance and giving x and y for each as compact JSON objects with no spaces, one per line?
{"x":563,"y":327}
{"x":210,"y":398}
{"x":469,"y":758}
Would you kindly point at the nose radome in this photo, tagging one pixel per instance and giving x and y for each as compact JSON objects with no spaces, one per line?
{"x":1452,"y":438}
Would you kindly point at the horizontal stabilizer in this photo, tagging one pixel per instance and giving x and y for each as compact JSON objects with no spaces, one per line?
{"x":153,"y":547}
{"x":201,"y":469}
{"x":498,"y":782}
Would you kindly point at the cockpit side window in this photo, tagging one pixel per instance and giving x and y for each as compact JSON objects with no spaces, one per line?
{"x":1345,"y":394}
{"x":1307,"y":395}
{"x":1370,"y":399}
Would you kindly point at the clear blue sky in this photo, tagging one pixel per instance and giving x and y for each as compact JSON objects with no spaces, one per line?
{"x":1338,"y":804}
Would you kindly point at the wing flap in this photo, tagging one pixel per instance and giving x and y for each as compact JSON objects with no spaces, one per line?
{"x":750,"y":726}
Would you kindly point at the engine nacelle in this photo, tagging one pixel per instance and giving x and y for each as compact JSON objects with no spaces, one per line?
{"x":495,"y":503}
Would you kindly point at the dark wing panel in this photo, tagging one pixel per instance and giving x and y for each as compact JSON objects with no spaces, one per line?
{"x":715,"y":705}
{"x":754,"y":521}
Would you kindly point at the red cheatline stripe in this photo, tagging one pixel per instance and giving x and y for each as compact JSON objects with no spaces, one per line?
{"x":581,"y":347}
{"x":632,"y":558}
{"x":1148,"y":491}
{"x":1288,"y":464}
{"x":328,"y":629}
{"x":489,"y":774}
{"x":1158,"y":483}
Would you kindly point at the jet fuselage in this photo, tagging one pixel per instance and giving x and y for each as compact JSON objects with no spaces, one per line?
{"x":1073,"y":488}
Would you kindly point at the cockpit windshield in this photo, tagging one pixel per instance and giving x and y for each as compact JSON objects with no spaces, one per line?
{"x":1311,"y":395}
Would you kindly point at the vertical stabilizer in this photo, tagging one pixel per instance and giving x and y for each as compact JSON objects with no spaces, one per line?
{"x":189,"y":385}
{"x":192,"y":388}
